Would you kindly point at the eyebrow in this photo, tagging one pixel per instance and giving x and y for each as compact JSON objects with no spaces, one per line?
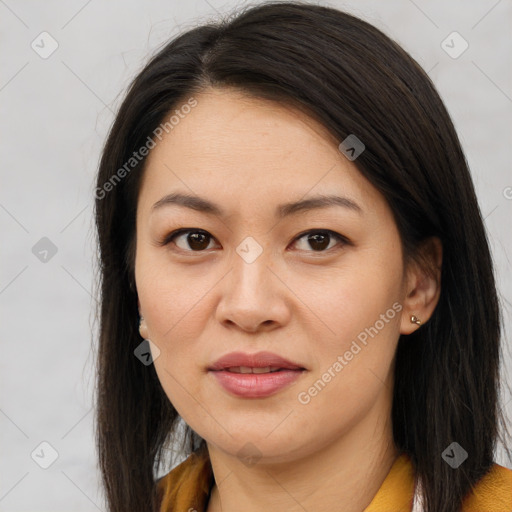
{"x":203,"y":205}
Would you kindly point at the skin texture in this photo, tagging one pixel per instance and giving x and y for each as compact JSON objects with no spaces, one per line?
{"x":248,"y":156}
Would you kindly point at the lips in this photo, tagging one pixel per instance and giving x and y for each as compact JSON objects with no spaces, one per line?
{"x":241,"y":362}
{"x":255,"y":375}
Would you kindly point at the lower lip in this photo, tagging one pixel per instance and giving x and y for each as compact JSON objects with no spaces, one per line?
{"x":256,"y":385}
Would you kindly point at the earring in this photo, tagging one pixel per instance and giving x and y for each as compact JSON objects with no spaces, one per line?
{"x":415,"y":320}
{"x":141,"y":319}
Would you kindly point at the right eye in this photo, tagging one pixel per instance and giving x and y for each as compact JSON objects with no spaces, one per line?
{"x":196,"y":239}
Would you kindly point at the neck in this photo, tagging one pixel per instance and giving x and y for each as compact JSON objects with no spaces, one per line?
{"x":342,"y":475}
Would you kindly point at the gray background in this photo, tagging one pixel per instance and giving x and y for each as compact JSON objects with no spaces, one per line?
{"x":55,"y":116}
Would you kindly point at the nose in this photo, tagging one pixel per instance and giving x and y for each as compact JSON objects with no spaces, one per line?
{"x":253,"y":297}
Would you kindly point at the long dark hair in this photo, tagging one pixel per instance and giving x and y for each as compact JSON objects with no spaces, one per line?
{"x":353,"y":79}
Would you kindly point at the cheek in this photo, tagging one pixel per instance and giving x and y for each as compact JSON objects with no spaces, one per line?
{"x":355,"y":299}
{"x":170,"y":295}
{"x":361,"y":310}
{"x":177,"y":304}
{"x":354,"y":360}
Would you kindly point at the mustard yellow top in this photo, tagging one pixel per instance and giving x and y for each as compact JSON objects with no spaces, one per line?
{"x":189,"y":484}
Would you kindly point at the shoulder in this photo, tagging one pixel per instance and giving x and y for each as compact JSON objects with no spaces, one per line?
{"x":186,"y":486}
{"x":492,"y":493}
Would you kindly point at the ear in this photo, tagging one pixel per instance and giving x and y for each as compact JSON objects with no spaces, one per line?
{"x":422,"y":285}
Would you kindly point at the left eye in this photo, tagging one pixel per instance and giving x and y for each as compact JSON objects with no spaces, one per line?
{"x":320,"y":240}
{"x":197,"y":239}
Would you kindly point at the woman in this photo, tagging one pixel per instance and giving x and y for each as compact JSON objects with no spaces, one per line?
{"x":294,"y":263}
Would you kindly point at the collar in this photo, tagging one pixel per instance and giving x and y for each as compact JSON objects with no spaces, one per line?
{"x":188,"y":487}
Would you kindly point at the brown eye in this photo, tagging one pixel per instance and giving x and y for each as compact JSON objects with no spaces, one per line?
{"x":320,"y":241}
{"x":193,"y":240}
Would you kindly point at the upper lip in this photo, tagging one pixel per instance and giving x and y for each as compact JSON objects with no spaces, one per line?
{"x":257,"y":360}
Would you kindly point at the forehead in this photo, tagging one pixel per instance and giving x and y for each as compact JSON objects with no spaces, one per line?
{"x":238,"y":147}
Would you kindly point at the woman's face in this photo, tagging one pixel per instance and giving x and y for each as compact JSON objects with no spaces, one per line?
{"x":249,"y":279}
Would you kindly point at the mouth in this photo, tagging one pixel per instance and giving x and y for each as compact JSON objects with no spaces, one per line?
{"x":255,"y":375}
{"x":248,"y":369}
{"x":260,"y":362}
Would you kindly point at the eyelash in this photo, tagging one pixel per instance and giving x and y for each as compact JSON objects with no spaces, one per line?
{"x":174,"y":234}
